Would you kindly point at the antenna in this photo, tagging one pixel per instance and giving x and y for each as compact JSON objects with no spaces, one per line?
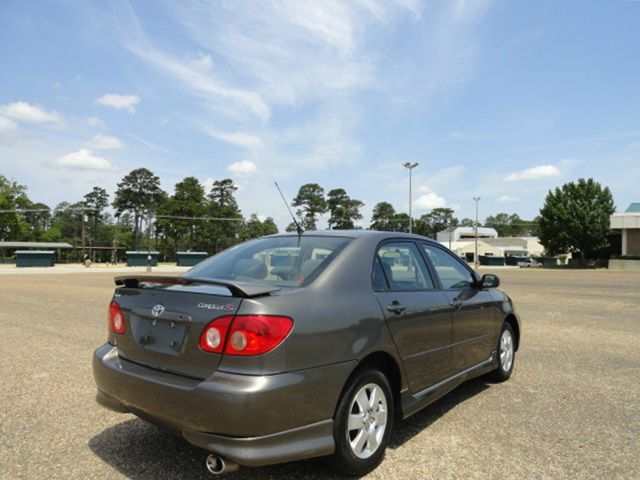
{"x":298,"y":227}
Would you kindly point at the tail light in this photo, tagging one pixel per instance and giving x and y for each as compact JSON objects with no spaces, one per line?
{"x":245,"y":334}
{"x":116,"y":319}
{"x":215,"y":334}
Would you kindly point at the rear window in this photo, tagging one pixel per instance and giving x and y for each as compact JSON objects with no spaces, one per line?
{"x":290,"y":261}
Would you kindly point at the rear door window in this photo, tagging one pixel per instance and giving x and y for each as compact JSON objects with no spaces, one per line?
{"x":402,"y":267}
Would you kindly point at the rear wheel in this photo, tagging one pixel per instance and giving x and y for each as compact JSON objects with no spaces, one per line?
{"x":363,"y":424}
{"x":506,"y":354}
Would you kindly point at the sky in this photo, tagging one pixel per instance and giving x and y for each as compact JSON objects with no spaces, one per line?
{"x":498,"y":99}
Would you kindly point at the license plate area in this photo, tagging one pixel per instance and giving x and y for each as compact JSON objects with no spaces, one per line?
{"x":161,"y":335}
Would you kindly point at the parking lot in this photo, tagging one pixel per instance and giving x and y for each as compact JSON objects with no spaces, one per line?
{"x":571,"y":410}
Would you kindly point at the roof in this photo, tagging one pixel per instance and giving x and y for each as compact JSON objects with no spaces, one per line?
{"x":633,"y":208}
{"x":354,"y":234}
{"x":506,"y":241}
{"x":35,"y":245}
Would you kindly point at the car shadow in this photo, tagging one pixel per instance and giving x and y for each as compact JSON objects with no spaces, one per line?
{"x":412,"y":426}
{"x":141,"y":451}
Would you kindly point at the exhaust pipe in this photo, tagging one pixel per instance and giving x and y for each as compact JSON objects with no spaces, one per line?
{"x":219,"y":465}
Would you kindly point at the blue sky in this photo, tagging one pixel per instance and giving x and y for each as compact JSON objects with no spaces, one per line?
{"x":498,"y":99}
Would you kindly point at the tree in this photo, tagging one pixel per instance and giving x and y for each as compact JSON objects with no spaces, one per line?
{"x":12,"y":196}
{"x":254,"y":227}
{"x":507,"y":225}
{"x":382,"y":217}
{"x":311,"y":203}
{"x":437,"y":220}
{"x":344,"y":210}
{"x":97,"y":200}
{"x":138,"y":192}
{"x":188,"y":201}
{"x":575,"y":218}
{"x":467,"y":222}
{"x":222,"y":204}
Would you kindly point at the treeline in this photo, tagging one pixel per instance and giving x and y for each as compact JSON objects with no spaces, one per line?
{"x":344,"y":212}
{"x":574,"y":218}
{"x":143,"y":215}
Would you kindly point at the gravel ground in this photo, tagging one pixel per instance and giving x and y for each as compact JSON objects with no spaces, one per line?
{"x":571,"y":409}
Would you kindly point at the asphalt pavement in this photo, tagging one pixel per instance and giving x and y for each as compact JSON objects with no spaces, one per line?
{"x":571,"y":409}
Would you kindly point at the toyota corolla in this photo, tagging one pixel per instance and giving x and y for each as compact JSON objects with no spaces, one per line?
{"x":303,"y":345}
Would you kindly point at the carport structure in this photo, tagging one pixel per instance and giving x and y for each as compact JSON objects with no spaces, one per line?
{"x":34,"y":247}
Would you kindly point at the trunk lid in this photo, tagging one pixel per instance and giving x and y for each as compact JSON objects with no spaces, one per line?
{"x":164,"y":322}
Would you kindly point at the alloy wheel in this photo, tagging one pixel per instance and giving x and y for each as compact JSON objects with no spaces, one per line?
{"x":367,"y":420}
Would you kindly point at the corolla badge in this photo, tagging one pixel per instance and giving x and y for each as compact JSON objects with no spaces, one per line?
{"x":216,"y":306}
{"x":157,"y":310}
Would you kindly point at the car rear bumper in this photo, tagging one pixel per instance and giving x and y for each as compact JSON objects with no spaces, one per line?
{"x":252,"y":420}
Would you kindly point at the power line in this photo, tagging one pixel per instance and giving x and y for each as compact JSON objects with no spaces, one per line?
{"x":222,"y":219}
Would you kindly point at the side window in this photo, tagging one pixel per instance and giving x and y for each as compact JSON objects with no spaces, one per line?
{"x":453,"y":275}
{"x":403,"y":267}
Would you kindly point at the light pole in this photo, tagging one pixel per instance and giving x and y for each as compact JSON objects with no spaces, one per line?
{"x":410,"y":166}
{"x":475,"y":255}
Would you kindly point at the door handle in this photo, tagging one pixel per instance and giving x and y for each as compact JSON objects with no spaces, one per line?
{"x":456,"y":303}
{"x":396,"y":307}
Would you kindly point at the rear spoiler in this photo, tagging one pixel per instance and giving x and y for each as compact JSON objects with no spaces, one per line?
{"x":245,"y":290}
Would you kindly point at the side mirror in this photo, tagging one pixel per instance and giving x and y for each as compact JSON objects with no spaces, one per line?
{"x":489,"y":281}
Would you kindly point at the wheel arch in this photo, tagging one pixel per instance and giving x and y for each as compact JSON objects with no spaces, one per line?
{"x":513,"y":321}
{"x":387,"y":364}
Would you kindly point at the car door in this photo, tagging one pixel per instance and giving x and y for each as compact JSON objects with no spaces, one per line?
{"x":474,"y":318}
{"x":418,"y":314}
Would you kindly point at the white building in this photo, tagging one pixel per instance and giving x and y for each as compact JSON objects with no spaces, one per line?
{"x":498,"y":247}
{"x":462,"y":233}
{"x":629,"y":223}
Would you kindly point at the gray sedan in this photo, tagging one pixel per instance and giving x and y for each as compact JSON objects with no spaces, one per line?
{"x":296,"y":346}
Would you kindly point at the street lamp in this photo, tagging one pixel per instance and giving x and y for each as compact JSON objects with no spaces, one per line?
{"x":475,"y":255}
{"x":410,"y":166}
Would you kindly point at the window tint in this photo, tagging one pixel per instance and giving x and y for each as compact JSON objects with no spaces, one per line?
{"x":289,"y":261}
{"x":403,"y":267}
{"x":453,"y":275}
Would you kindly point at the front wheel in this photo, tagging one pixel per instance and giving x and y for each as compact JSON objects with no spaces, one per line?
{"x":506,"y":354}
{"x":363,"y":424}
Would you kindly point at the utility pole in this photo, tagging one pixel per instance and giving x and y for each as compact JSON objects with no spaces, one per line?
{"x":114,"y":258}
{"x":410,"y":166}
{"x":149,"y":242}
{"x":475,"y":255}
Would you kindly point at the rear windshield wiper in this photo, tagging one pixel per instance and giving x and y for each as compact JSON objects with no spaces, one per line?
{"x":237,"y":289}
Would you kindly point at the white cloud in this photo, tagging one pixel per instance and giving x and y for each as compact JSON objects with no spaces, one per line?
{"x":240,"y":139}
{"x":119,"y":102}
{"x":428,"y":200}
{"x":541,"y":171}
{"x":95,"y":122}
{"x":244,"y":167}
{"x":7,"y":124}
{"x":25,"y":112}
{"x":104,"y":142}
{"x":84,"y":159}
{"x":508,"y":199}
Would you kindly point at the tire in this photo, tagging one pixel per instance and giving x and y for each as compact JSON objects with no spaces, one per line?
{"x":361,"y":449}
{"x":506,"y":354}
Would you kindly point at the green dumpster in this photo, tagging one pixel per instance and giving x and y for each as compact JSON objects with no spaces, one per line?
{"x":491,"y":260}
{"x":189,"y":259}
{"x":513,"y":261}
{"x":547,"y":261}
{"x":34,"y":258}
{"x":139,"y":259}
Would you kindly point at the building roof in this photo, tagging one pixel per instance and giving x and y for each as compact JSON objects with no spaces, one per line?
{"x":35,"y":245}
{"x":633,"y":208}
